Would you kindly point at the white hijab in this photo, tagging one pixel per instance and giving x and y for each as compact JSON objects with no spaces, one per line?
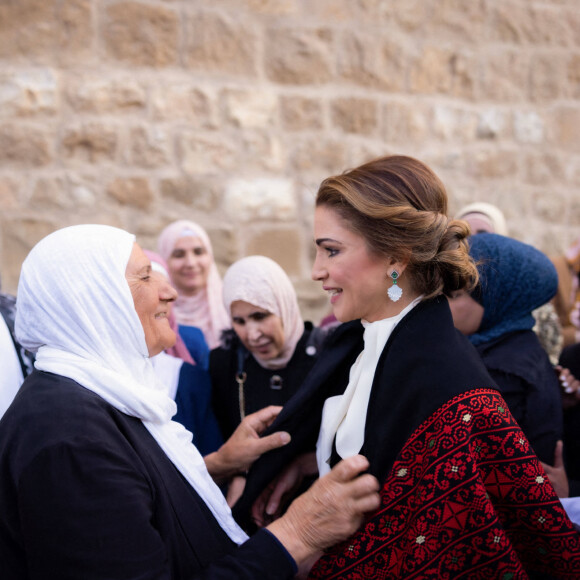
{"x":76,"y":310}
{"x":260,"y":281}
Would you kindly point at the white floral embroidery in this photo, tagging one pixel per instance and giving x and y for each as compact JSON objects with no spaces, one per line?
{"x":539,"y":479}
{"x":467,"y":417}
{"x":402,"y":472}
{"x":420,"y":539}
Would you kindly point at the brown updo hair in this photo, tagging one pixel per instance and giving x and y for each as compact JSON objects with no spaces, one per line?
{"x":399,"y":206}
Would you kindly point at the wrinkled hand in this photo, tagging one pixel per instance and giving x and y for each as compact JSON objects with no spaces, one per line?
{"x":271,"y":501}
{"x":330,"y":511}
{"x":557,"y":473}
{"x":245,"y":445}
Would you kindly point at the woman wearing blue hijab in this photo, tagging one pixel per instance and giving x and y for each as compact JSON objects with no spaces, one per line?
{"x":515,"y":279}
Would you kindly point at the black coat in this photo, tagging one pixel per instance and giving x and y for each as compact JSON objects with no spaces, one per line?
{"x":87,"y":493}
{"x":225,"y":362}
{"x":528,"y":383}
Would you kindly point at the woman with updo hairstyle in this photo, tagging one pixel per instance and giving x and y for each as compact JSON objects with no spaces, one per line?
{"x":462,"y":492}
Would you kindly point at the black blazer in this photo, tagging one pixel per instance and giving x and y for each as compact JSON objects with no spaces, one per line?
{"x":87,"y":493}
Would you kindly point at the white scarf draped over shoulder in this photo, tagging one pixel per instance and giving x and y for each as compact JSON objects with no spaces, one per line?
{"x":260,"y":281}
{"x":344,"y":416}
{"x":75,"y":309}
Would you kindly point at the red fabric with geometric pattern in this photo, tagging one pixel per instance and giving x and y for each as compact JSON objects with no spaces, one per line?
{"x":466,"y":498}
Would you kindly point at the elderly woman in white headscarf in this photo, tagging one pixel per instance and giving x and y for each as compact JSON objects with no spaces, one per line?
{"x":270,"y":349}
{"x":96,"y":480}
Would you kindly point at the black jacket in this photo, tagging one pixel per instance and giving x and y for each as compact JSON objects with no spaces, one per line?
{"x":87,"y":493}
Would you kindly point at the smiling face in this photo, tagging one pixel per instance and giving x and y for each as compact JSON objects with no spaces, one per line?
{"x":467,"y":313}
{"x":152,"y":295}
{"x":260,"y":331}
{"x":356,"y":280}
{"x":189,"y":265}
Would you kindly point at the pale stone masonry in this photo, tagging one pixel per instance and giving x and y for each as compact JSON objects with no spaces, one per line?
{"x":230,"y":112}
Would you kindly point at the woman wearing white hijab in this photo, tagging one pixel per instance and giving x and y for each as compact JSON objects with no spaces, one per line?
{"x":270,"y":349}
{"x":96,"y":480}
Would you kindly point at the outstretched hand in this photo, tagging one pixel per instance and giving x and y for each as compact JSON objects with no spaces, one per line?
{"x":245,"y":445}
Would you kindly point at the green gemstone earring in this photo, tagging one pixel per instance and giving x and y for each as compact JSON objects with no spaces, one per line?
{"x":394,"y":291}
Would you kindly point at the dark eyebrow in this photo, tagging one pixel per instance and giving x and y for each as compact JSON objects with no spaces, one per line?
{"x":325,"y":240}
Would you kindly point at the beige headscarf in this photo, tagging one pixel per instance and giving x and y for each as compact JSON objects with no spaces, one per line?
{"x":204,"y":310}
{"x":490,"y":212}
{"x":260,"y":281}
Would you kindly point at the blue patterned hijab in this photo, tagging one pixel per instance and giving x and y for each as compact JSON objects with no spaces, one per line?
{"x":515,"y":279}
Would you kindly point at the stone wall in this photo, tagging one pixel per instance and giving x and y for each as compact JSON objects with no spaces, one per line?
{"x":230,"y":112}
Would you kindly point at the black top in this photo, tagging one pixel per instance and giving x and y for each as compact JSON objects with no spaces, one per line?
{"x":87,"y":493}
{"x":528,"y":383}
{"x":262,"y":387}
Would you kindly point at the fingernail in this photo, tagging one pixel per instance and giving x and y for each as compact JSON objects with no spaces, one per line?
{"x":285,"y":437}
{"x":270,"y":509}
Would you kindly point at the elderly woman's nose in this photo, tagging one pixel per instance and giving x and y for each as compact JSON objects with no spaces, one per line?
{"x":254,"y":330}
{"x":167,"y":292}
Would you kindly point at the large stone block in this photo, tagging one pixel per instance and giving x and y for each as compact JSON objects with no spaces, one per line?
{"x":183,"y":99}
{"x":454,"y":123}
{"x":141,"y":34}
{"x":149,"y":147}
{"x":564,"y":127}
{"x":250,"y":108}
{"x":300,"y":113}
{"x":263,"y":151}
{"x":373,"y":61}
{"x":131,"y":191}
{"x":19,"y":235}
{"x":28,"y":93}
{"x":529,"y":23}
{"x":282,"y":245}
{"x":323,"y":154}
{"x":11,"y":192}
{"x":495,"y":163}
{"x":544,"y":168}
{"x":458,"y":20}
{"x":528,"y":127}
{"x":261,"y":198}
{"x":404,"y":121}
{"x":573,"y":75}
{"x":505,"y":75}
{"x":201,"y":194}
{"x":25,"y":146}
{"x":90,"y":143}
{"x":444,"y":70}
{"x":548,"y":77}
{"x":355,"y":115}
{"x":218,"y":44}
{"x":28,"y":28}
{"x":493,"y":123}
{"x":97,"y":95}
{"x":207,"y":153}
{"x":299,"y":56}
{"x":77,"y":33}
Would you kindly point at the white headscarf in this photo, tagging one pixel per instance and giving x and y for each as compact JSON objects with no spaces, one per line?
{"x":76,"y":310}
{"x":260,"y":281}
{"x":205,"y":309}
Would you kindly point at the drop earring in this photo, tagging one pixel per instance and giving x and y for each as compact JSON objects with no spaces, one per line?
{"x":394,"y":291}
